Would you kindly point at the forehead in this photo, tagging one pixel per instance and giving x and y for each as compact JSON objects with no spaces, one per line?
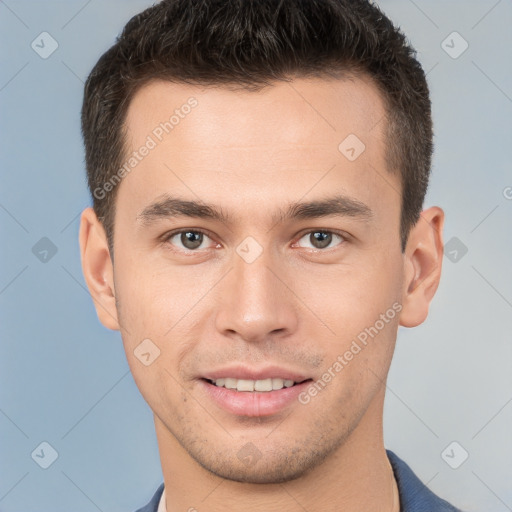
{"x":313,"y":111}
{"x":272,"y":144}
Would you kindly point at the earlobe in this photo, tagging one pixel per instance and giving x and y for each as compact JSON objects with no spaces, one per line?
{"x":423,"y":262}
{"x":97,"y":268}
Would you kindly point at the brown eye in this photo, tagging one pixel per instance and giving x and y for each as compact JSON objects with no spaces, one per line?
{"x":189,"y":240}
{"x":320,"y":239}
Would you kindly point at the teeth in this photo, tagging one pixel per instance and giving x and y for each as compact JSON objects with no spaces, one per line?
{"x":229,"y":383}
{"x":277,"y":383}
{"x":263,"y":385}
{"x":254,"y":385}
{"x":245,"y":385}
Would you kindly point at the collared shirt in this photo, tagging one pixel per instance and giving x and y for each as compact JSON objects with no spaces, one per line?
{"x":414,"y":495}
{"x":161,"y":504}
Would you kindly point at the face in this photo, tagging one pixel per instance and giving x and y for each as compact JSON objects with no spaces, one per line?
{"x":257,"y":253}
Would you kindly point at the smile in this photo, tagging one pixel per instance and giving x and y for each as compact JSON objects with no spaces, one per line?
{"x":270,"y":384}
{"x":247,"y":397}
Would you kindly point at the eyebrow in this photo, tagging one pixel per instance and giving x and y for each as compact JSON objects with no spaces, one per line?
{"x":339,"y":205}
{"x":167,"y":207}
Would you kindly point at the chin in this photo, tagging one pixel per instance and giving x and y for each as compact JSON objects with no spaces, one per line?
{"x":262,"y":468}
{"x":277,"y":474}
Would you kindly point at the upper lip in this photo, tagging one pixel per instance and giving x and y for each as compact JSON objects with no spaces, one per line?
{"x":245,"y":372}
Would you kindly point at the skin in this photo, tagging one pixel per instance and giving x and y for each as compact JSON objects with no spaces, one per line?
{"x":251,"y":154}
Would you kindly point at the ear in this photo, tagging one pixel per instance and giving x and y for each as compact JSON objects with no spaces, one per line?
{"x":423,"y":261}
{"x":97,"y":268}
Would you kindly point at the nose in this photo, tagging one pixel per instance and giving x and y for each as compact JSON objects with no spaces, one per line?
{"x":255,"y":301}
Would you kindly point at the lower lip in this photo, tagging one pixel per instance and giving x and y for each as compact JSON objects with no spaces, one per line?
{"x":253,"y":403}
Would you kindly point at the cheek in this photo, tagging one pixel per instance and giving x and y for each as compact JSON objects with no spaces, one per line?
{"x":156,"y":298}
{"x":360,"y":304}
{"x":167,"y":307}
{"x":351,"y":297}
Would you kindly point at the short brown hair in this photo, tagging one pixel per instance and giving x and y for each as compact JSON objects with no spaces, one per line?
{"x":250,"y":44}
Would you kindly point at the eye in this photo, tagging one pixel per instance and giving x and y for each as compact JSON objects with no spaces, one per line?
{"x":189,"y":239}
{"x":319,"y":239}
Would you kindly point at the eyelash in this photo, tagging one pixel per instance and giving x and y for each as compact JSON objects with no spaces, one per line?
{"x":344,"y":238}
{"x":168,"y":236}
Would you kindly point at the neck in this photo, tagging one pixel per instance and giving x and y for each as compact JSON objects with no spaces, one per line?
{"x":357,"y":476}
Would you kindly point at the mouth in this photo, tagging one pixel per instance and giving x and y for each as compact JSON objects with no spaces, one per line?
{"x":254,"y":397}
{"x":249,"y":385}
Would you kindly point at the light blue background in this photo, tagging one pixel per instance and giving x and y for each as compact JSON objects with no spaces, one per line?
{"x":64,"y":378}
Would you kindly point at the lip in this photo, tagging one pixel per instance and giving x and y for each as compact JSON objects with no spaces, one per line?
{"x":252,"y":403}
{"x":244,"y":372}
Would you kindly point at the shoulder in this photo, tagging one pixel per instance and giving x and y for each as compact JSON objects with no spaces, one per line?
{"x":414,"y":495}
{"x":152,"y":506}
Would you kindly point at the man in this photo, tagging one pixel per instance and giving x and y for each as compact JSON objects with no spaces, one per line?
{"x":258,"y":170}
